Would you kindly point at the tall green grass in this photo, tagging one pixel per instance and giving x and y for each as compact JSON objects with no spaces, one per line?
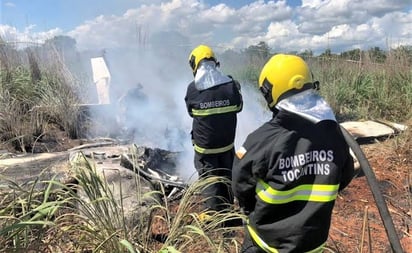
{"x":365,"y":91}
{"x":36,"y":91}
{"x":27,"y":211}
{"x":356,"y":90}
{"x":50,"y":216}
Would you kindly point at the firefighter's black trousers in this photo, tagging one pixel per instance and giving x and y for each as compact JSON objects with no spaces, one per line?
{"x":218,"y":195}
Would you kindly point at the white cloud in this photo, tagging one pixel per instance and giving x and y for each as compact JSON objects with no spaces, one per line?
{"x":254,"y":17}
{"x":26,"y":37}
{"x":218,"y":14}
{"x":319,"y":16}
{"x":9,"y":4}
{"x":315,"y":25}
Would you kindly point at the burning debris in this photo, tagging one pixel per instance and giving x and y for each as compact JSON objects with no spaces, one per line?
{"x":127,"y":171}
{"x":156,"y":165}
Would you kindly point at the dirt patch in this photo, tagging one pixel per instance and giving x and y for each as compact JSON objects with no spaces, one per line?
{"x":357,"y":225}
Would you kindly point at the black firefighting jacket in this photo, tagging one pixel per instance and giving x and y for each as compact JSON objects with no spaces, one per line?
{"x":286,"y":176}
{"x":214,"y":116}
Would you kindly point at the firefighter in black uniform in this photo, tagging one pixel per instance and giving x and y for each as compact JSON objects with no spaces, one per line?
{"x":288,"y":172}
{"x":213,"y":101}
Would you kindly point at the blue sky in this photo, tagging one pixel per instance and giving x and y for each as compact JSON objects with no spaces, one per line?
{"x":67,"y":14}
{"x":294,"y":25}
{"x":48,"y":14}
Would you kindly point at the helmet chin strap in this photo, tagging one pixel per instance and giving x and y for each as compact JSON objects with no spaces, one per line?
{"x":192,"y":63}
{"x":316,"y":85}
{"x":266,"y":90}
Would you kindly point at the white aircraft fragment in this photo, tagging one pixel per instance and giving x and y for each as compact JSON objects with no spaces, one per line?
{"x":101,"y":78}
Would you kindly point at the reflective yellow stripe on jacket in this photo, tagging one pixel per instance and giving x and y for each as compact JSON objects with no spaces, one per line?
{"x":213,"y":150}
{"x":270,"y":249}
{"x":306,"y":192}
{"x":218,"y":110}
{"x":260,"y":242}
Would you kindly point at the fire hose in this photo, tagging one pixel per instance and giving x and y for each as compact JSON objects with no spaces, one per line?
{"x":377,"y":195}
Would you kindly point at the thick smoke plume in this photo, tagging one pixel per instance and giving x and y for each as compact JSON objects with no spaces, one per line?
{"x":147,"y":93}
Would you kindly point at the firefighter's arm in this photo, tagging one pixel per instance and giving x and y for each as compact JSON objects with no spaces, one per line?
{"x":243,"y":184}
{"x":248,"y":164}
{"x":189,"y":110}
{"x":239,"y":93}
{"x":347,"y":172}
{"x":188,"y":104}
{"x":237,"y":85}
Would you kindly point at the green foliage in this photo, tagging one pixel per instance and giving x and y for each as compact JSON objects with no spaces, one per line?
{"x":358,"y":84}
{"x":169,"y":249}
{"x":246,"y":65}
{"x":403,"y":55}
{"x":327,"y":53}
{"x":50,"y":215}
{"x":32,"y":97}
{"x":257,"y":53}
{"x":26,"y":211}
{"x":354,"y":55}
{"x":249,"y":73}
{"x":20,"y":87}
{"x":377,"y":55}
{"x":128,"y":246}
{"x":100,"y":220}
{"x":190,"y":224}
{"x":364,"y":91}
{"x":62,"y":43}
{"x":306,"y":54}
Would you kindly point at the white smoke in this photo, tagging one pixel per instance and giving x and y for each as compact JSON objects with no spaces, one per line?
{"x":156,"y":116}
{"x":253,"y":115}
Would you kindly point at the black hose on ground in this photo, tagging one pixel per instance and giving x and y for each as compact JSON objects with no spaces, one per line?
{"x":377,"y":195}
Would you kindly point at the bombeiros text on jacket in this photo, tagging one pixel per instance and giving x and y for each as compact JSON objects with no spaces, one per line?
{"x":315,"y":162}
{"x":214,"y":104}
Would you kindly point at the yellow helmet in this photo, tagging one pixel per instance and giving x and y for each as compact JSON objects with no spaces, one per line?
{"x":284,"y":75}
{"x":198,"y":54}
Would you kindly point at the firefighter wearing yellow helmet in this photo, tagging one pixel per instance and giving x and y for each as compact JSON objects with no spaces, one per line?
{"x":288,"y":172}
{"x":283,"y":76}
{"x":200,"y":53}
{"x":213,"y":100}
